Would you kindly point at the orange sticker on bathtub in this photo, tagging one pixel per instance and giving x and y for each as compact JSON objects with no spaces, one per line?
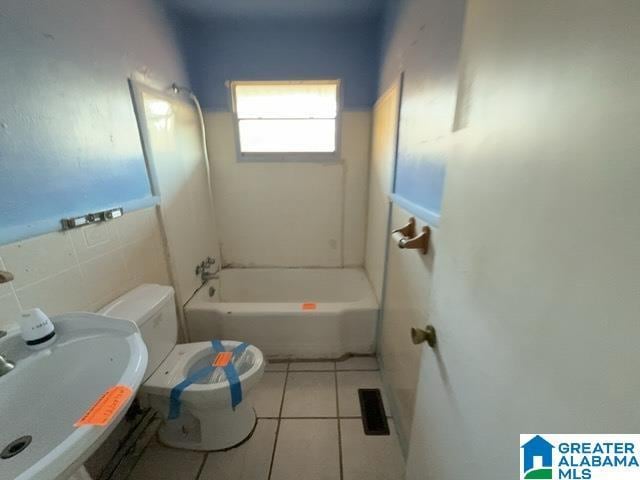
{"x":309,"y":306}
{"x":106,"y":407}
{"x":222,"y":359}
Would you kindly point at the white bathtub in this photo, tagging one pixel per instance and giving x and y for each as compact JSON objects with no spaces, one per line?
{"x":288,"y":313}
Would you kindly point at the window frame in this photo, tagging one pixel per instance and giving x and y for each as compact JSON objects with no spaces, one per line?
{"x":330,"y":157}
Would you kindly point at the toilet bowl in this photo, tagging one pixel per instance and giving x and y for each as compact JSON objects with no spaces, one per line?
{"x":206,"y":420}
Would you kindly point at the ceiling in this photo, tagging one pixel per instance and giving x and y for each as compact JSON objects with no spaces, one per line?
{"x":281,"y":9}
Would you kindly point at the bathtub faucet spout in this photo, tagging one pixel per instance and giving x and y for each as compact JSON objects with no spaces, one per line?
{"x":206,"y":276}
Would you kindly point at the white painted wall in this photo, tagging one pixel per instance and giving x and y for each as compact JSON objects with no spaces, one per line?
{"x":82,"y":269}
{"x":291,"y":214}
{"x":537,"y":269}
{"x":174,"y":150}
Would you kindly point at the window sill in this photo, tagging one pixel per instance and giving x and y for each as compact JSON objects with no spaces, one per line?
{"x":333,"y":157}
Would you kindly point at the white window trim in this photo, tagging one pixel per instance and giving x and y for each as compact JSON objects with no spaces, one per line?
{"x":328,"y":157}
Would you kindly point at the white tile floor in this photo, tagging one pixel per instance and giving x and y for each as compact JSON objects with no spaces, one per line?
{"x":309,"y":428}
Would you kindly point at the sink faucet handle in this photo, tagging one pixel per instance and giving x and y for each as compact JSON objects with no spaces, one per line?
{"x":5,"y":277}
{"x":5,"y":365}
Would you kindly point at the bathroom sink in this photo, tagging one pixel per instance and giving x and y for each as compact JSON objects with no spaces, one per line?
{"x":49,"y":390}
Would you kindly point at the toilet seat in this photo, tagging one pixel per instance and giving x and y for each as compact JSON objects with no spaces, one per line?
{"x":209,"y":417}
{"x":178,"y":364}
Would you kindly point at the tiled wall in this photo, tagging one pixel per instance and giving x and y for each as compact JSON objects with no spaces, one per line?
{"x":82,"y":269}
{"x":291,"y":214}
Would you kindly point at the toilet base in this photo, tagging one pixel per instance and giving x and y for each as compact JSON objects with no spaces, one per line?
{"x":209,"y":430}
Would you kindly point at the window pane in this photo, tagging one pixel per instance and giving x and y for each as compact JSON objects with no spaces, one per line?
{"x":287,"y":136}
{"x":303,"y":100}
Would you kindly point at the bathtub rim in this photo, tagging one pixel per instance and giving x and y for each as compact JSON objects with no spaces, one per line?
{"x":201,"y":300}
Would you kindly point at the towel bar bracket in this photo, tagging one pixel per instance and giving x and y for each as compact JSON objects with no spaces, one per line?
{"x":409,"y":238}
{"x":409,"y":230}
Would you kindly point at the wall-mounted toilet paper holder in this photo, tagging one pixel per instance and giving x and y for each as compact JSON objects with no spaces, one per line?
{"x":406,"y":237}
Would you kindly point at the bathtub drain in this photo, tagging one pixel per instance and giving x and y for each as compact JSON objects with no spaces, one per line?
{"x":15,"y":447}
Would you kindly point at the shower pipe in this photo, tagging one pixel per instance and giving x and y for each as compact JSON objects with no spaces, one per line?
{"x":177,"y":89}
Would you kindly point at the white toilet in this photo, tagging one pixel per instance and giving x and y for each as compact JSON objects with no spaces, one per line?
{"x":206,"y":420}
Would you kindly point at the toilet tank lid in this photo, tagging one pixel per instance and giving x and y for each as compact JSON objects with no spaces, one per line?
{"x":139,"y":304}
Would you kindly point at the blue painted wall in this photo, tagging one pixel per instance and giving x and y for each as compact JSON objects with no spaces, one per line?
{"x":280,"y":9}
{"x":422,"y":38}
{"x":219,"y":50}
{"x":68,"y":134}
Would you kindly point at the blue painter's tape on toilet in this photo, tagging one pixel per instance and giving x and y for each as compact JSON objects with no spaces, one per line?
{"x":235,"y":387}
{"x":230,"y":371}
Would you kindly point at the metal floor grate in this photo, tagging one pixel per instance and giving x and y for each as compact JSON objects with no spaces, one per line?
{"x":374,"y":417}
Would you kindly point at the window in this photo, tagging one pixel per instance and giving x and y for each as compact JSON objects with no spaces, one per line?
{"x":278,"y":120}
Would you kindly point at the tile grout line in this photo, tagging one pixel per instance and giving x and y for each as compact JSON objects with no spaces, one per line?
{"x":344,"y":417}
{"x":335,"y":376}
{"x":279,"y":418}
{"x":323,"y":371}
{"x":204,"y":461}
{"x":275,"y":442}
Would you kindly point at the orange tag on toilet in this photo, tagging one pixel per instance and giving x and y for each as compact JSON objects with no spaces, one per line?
{"x":309,"y":306}
{"x":106,"y":407}
{"x":222,"y":359}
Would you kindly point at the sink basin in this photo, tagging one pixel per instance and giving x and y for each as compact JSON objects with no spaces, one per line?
{"x":49,"y":390}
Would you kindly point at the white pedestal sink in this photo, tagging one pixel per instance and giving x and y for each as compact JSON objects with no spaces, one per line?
{"x":49,"y":390}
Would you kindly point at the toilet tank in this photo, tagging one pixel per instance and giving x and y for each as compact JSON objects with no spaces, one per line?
{"x":153,"y":309}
